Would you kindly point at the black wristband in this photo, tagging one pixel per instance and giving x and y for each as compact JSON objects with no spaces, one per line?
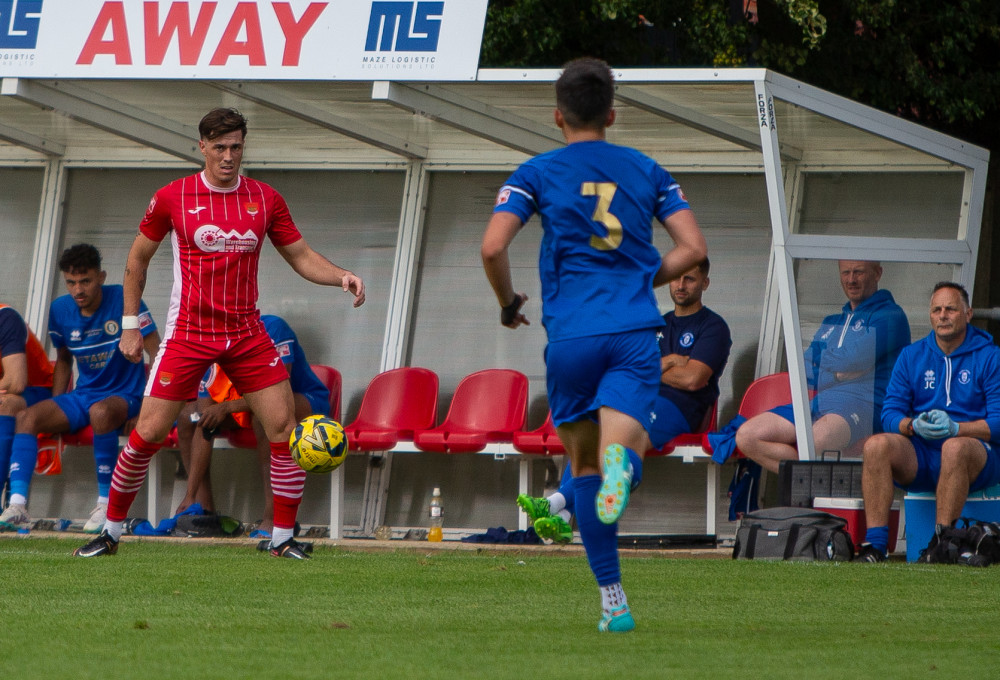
{"x":508,"y":313}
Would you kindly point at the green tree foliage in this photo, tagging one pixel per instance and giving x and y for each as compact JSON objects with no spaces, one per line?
{"x":931,"y":61}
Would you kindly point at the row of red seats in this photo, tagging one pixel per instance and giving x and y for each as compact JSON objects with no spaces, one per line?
{"x":488,"y":406}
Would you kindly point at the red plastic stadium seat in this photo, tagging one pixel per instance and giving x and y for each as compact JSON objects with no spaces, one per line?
{"x":708,"y":423}
{"x":762,"y":395}
{"x":396,"y":403}
{"x":244,"y":438}
{"x":543,"y":440}
{"x":488,"y":406}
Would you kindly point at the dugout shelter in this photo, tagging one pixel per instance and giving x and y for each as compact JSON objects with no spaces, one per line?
{"x":391,"y":168}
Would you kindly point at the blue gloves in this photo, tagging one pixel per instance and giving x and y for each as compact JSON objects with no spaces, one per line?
{"x":935,"y":424}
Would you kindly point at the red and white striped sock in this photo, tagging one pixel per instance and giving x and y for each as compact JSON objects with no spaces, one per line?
{"x":130,"y":473}
{"x":287,"y":482}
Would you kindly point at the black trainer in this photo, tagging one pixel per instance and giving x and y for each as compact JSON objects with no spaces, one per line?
{"x":102,"y":545}
{"x":869,"y":553}
{"x":290,"y":548}
{"x":304,"y":546}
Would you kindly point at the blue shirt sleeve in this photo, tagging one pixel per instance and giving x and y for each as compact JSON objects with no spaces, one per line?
{"x":13,"y":332}
{"x":519,"y":194}
{"x":669,"y":197}
{"x":898,"y":403}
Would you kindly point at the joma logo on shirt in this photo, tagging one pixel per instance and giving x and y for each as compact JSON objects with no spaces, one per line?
{"x":212,"y":239}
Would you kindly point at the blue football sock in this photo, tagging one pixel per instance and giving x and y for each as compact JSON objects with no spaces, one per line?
{"x":6,"y":442}
{"x":878,"y":537}
{"x":23,"y":456}
{"x":636,"y":462}
{"x":105,"y":456}
{"x":566,"y":488}
{"x":599,"y":539}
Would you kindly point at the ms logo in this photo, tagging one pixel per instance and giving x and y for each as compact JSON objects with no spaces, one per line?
{"x":404,"y":26}
{"x":19,"y":21}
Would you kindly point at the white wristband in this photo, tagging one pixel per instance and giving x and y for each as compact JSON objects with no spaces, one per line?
{"x":130,"y":323}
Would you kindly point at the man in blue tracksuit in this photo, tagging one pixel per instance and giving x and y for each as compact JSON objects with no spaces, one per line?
{"x":847,"y":364}
{"x":941,"y":420}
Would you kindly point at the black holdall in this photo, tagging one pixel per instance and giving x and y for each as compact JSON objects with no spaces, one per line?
{"x":792,"y":534}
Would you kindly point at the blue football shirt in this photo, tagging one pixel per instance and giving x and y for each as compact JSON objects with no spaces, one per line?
{"x":93,"y":342}
{"x":597,"y":202}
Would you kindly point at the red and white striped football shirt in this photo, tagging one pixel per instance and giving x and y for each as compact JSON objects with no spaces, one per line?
{"x":216,"y":235}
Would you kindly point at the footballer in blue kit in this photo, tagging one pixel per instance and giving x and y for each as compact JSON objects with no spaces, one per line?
{"x":598,"y":267}
{"x":85,"y":327}
{"x":694,"y":349}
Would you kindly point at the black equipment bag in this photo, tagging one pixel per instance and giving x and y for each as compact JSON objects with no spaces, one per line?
{"x":792,"y":534}
{"x":967,"y":541}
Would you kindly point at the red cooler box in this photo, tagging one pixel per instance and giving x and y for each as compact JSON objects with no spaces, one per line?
{"x":853,"y":510}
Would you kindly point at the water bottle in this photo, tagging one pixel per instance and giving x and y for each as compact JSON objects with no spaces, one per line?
{"x":436,"y":512}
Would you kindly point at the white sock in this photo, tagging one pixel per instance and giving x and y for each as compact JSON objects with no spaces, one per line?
{"x":613,"y":597}
{"x":114,"y":529}
{"x":279,"y":536}
{"x":18,"y":499}
{"x":102,"y":500}
{"x":565,"y":514}
{"x":556,"y":503}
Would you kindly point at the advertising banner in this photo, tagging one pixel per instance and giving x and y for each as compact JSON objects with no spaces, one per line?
{"x":241,"y":39}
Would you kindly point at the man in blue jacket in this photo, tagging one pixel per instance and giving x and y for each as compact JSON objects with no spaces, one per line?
{"x":848,"y":364}
{"x":941,"y":420}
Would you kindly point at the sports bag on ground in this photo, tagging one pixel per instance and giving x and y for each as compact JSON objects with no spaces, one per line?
{"x":967,"y":541}
{"x":792,"y":534}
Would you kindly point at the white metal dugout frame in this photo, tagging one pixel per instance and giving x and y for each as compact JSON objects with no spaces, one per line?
{"x":692,"y":121}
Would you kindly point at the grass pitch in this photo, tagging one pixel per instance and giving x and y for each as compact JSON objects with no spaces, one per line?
{"x":194,"y":610}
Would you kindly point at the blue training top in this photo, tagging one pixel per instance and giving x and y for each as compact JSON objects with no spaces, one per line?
{"x":703,"y":336}
{"x":855,"y":350}
{"x":93,"y":341}
{"x":597,"y":260}
{"x":965,"y":384}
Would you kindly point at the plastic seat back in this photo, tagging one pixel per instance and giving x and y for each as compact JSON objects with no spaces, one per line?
{"x":493,"y":401}
{"x":765,"y":393}
{"x":330,"y":377}
{"x":401,"y":399}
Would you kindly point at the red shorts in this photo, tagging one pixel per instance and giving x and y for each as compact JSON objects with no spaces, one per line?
{"x":251,"y":363}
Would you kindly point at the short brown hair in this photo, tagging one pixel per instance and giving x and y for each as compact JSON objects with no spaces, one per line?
{"x":222,"y":121}
{"x":585,"y":92}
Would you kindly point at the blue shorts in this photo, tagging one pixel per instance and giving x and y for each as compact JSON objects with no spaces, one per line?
{"x":668,"y":422}
{"x":620,"y":371}
{"x":33,"y":395}
{"x":929,"y":467}
{"x":76,"y":405}
{"x":858,"y":413}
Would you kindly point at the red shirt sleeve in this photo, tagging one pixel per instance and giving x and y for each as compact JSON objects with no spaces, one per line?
{"x":157,"y":223}
{"x":282,"y":230}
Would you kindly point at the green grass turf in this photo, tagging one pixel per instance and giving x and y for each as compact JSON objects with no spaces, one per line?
{"x":188,"y":610}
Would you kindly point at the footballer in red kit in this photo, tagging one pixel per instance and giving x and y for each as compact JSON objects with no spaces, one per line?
{"x":216,"y":221}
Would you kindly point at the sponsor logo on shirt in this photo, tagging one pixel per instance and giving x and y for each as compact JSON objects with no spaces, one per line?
{"x":75,"y":335}
{"x":152,"y":204}
{"x":929,"y":379}
{"x":503,"y":196}
{"x":195,"y":211}
{"x":212,"y":239}
{"x":283,"y":349}
{"x":687,"y":339}
{"x":145,"y":320}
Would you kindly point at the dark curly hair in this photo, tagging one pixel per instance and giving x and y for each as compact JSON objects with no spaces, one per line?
{"x":80,"y":258}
